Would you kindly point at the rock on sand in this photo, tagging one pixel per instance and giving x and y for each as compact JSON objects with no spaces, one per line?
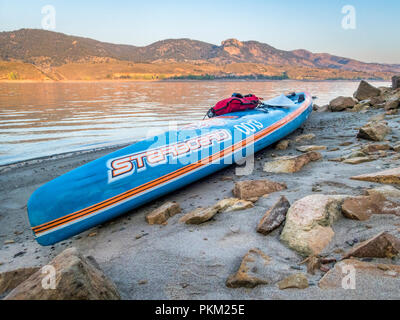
{"x":362,"y":207}
{"x":342,"y":103}
{"x":257,"y":268}
{"x":310,"y":148}
{"x":282,"y":145}
{"x":364,"y":272}
{"x":383,"y":245}
{"x":201,"y":215}
{"x":365,"y":91}
{"x":274,"y":217}
{"x":249,"y":189}
{"x":291,"y":164}
{"x":251,"y":271}
{"x":11,"y":279}
{"x":375,"y":131}
{"x":302,"y":137}
{"x":163,"y":213}
{"x":76,"y":278}
{"x":298,"y":281}
{"x":308,"y":223}
{"x":390,"y":176}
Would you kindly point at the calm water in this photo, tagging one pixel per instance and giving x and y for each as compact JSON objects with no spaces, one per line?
{"x":39,"y":119}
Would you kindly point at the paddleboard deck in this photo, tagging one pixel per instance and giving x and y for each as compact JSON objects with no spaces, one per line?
{"x":130,"y":177}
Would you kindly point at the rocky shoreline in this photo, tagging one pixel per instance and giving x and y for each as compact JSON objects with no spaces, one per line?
{"x":319,"y":205}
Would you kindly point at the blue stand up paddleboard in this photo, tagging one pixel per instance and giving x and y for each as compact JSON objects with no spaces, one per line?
{"x":125,"y":179}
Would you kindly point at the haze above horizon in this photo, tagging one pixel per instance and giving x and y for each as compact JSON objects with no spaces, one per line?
{"x":312,"y":25}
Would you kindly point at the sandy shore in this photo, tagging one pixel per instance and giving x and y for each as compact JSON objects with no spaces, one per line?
{"x":193,"y":262}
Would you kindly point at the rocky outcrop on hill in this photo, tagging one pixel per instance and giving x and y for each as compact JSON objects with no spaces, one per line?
{"x":47,"y":50}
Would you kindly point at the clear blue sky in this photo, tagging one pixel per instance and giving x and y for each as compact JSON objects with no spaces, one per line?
{"x":314,"y":25}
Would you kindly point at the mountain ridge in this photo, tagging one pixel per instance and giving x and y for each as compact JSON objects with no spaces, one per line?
{"x":48,"y":50}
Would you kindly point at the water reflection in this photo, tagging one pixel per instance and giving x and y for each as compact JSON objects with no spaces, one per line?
{"x":38,"y":119}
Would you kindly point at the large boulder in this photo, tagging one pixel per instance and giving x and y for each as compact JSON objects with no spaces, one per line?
{"x":76,"y":278}
{"x":374,"y":130}
{"x":395,"y":82}
{"x":308,"y":223}
{"x":365,"y":91}
{"x":390,"y":176}
{"x":342,"y":103}
{"x":383,"y":245}
{"x":392,"y":103}
{"x":291,"y":164}
{"x":249,"y":189}
{"x":274,"y":217}
{"x":391,"y":94}
{"x":11,"y":279}
{"x":163,"y":213}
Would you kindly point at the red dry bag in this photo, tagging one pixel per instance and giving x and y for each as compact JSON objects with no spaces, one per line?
{"x":233,"y":104}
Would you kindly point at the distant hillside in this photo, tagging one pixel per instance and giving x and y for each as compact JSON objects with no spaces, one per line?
{"x":54,"y":55}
